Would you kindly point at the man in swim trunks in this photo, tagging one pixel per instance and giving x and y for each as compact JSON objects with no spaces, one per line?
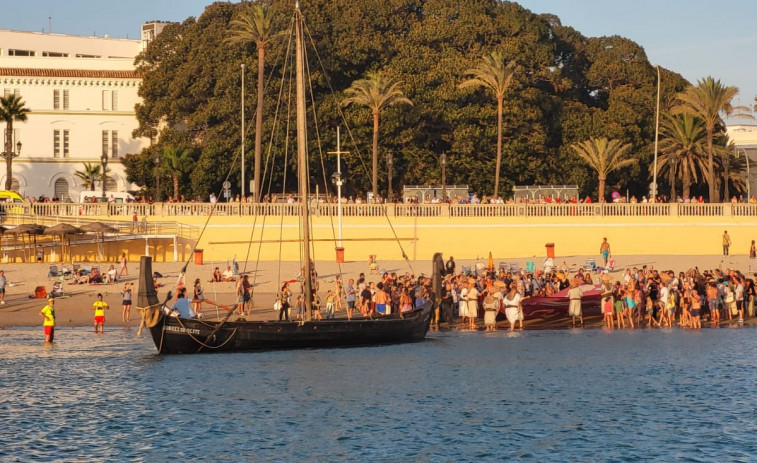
{"x":48,"y":313}
{"x":604,"y":250}
{"x":100,"y":306}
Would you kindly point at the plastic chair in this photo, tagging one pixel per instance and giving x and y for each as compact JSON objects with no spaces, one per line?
{"x":514,"y":267}
{"x":590,"y":265}
{"x":53,"y":272}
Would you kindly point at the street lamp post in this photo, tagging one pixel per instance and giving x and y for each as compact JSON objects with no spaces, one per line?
{"x":9,"y":142}
{"x":389,"y":164}
{"x":157,"y":177}
{"x":243,"y":132}
{"x":443,"y":160}
{"x":104,"y":162}
{"x":656,"y":135}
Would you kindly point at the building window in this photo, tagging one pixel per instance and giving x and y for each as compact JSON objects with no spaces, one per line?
{"x":7,"y":92}
{"x":65,"y":143}
{"x":110,"y":100}
{"x":13,"y":52}
{"x":105,"y":144}
{"x":110,"y":143}
{"x":61,"y":189}
{"x":56,"y":99}
{"x":54,"y":54}
{"x":114,"y":143}
{"x":65,"y":99}
{"x":56,"y":143}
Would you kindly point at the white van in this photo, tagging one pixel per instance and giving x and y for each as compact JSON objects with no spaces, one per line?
{"x":111,"y":197}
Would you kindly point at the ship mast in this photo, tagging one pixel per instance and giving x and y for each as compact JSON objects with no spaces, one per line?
{"x":302,"y":154}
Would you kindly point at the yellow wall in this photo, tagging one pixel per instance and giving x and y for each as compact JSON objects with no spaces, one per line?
{"x":464,"y":238}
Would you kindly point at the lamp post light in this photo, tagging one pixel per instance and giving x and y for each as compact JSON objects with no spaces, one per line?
{"x":9,"y":143}
{"x":656,"y":135}
{"x":243,"y":133}
{"x":443,"y":161}
{"x":104,"y":162}
{"x":157,"y":177}
{"x":389,"y":164}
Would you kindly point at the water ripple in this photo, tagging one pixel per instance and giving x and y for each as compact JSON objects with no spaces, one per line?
{"x":536,"y":396}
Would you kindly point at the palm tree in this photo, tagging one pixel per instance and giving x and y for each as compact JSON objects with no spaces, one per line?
{"x":494,"y":73}
{"x":256,"y":26}
{"x":12,"y":108}
{"x":377,"y":93}
{"x":603,"y":156}
{"x":683,"y":139}
{"x":90,"y":175}
{"x":708,"y":100}
{"x":177,"y":162}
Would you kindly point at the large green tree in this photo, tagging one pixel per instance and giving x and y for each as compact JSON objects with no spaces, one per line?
{"x":495,"y":73}
{"x":12,"y":109}
{"x":377,"y":93}
{"x":256,"y":26}
{"x":570,"y":88}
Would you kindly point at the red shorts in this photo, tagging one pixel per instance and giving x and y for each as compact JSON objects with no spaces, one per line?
{"x":99,"y":318}
{"x":49,"y":329}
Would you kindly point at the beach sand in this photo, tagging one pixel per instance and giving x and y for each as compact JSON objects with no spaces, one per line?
{"x":76,"y":308}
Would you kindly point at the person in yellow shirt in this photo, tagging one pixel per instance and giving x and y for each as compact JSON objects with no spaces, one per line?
{"x":100,"y":306}
{"x":48,"y":313}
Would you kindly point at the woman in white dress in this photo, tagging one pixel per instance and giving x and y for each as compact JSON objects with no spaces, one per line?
{"x":472,"y":299}
{"x":512,"y":304}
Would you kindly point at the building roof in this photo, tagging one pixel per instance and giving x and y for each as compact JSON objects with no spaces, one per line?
{"x":87,"y":73}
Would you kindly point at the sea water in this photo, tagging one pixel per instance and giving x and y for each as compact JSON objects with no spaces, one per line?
{"x":566,"y":395}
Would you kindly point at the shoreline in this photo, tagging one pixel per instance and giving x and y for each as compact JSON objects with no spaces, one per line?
{"x":75,"y":310}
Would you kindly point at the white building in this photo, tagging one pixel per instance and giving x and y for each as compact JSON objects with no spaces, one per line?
{"x":81,"y":92}
{"x":745,"y":138}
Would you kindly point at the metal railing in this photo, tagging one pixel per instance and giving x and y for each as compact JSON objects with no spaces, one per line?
{"x":126,"y":211}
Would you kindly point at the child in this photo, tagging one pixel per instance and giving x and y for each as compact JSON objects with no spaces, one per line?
{"x":608,"y":310}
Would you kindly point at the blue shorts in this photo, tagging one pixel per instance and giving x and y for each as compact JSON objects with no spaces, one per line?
{"x":605,"y":254}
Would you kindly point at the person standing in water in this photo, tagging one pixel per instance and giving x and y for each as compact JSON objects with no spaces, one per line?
{"x":100,"y":306}
{"x":48,"y":313}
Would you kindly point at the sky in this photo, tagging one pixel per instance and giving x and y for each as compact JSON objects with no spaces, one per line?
{"x":696,"y":38}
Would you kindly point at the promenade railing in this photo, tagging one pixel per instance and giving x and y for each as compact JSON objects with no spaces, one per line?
{"x":126,"y":211}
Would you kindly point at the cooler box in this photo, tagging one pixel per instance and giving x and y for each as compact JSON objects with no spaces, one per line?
{"x":339,"y":255}
{"x":198,"y":256}
{"x":530,"y":267}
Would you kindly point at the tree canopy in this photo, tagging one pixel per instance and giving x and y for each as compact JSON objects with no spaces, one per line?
{"x":568,"y":88}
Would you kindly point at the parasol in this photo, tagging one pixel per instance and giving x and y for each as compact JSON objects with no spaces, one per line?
{"x":99,"y":229}
{"x":31,"y":229}
{"x":490,"y":263}
{"x":63,"y":230}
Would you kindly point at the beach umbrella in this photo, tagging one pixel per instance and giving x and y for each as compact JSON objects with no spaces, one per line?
{"x":30,"y":229}
{"x":63,"y":230}
{"x":99,"y":229}
{"x":490,"y":263}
